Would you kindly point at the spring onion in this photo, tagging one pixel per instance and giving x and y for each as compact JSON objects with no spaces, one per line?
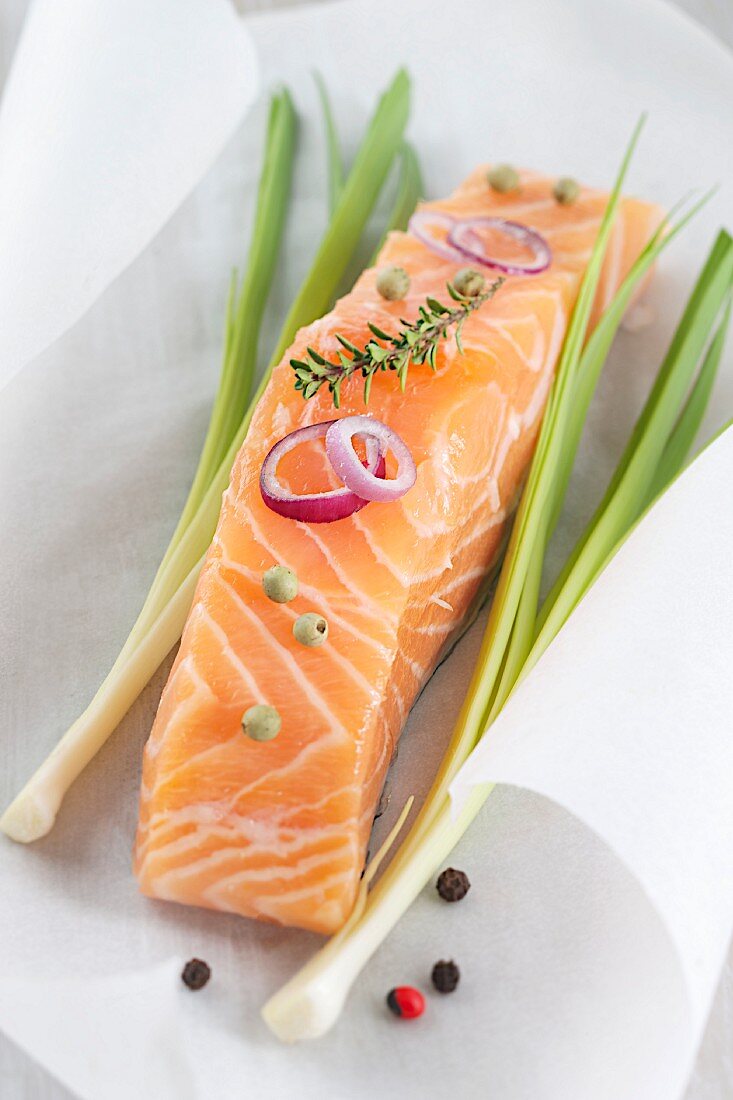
{"x":409,"y":192}
{"x":33,"y":811}
{"x":244,"y":320}
{"x":682,"y":437}
{"x":333,"y":149}
{"x":310,"y":1003}
{"x":158,"y":626}
{"x":660,"y":433}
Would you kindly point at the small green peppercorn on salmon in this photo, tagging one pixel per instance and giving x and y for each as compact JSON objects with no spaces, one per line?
{"x":277,"y":828}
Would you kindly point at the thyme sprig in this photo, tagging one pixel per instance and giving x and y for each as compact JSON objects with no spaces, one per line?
{"x":416,"y":343}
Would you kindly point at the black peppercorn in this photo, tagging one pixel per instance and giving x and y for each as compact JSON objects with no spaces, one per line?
{"x":445,"y":976}
{"x":453,"y":885}
{"x":196,"y":974}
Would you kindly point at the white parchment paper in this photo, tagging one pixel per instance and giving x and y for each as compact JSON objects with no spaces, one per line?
{"x":626,"y":721}
{"x":113,"y":111}
{"x":572,"y":985}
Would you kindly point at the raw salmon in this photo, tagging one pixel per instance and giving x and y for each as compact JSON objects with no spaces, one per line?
{"x":279,"y":830}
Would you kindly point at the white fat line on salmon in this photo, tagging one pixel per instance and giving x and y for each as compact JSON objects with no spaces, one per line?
{"x":573,"y":263}
{"x":367,"y":818}
{"x":175,"y":891}
{"x":315,"y":596}
{"x":185,"y":665}
{"x":283,"y":422}
{"x":367,"y":686}
{"x":534,"y":361}
{"x":446,"y":627}
{"x":337,"y":858}
{"x":407,"y":664}
{"x":201,"y":684}
{"x":236,"y":847}
{"x":440,"y":602}
{"x":286,"y":657}
{"x":379,"y":555}
{"x":496,"y":517}
{"x":183,"y":709}
{"x":558,"y":230}
{"x":224,"y":858}
{"x":204,"y":819}
{"x":535,"y":407}
{"x":612,"y":266}
{"x":245,"y":676}
{"x":507,"y":434}
{"x":188,"y":665}
{"x":514,"y":210}
{"x":489,"y":496}
{"x":419,"y":672}
{"x":510,"y":210}
{"x":465,"y":578}
{"x":394,"y":694}
{"x":497,"y":326}
{"x":271,"y":906}
{"x":557,"y":336}
{"x":528,"y":417}
{"x":433,"y":629}
{"x":369,"y":604}
{"x":428,"y":532}
{"x":500,"y":322}
{"x":335,"y":654}
{"x":373,"y":768}
{"x":202,"y":754}
{"x":532,"y":293}
{"x":488,"y":473}
{"x":154,"y":835}
{"x":312,"y":748}
{"x":349,"y":593}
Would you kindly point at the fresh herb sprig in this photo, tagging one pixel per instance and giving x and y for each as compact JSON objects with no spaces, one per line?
{"x":416,"y":343}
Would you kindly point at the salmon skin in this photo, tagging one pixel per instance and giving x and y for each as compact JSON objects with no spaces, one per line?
{"x":279,"y":830}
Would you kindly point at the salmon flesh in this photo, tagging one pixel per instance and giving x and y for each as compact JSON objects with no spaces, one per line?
{"x":278,"y":830}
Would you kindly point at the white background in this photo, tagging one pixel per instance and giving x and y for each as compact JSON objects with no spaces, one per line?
{"x":18,"y":1077}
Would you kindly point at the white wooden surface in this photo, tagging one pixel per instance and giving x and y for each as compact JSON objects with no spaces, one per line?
{"x":20,"y":1078}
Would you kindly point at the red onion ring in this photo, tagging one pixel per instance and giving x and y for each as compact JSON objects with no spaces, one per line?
{"x":418,"y":227}
{"x":360,"y":480}
{"x":464,"y":231}
{"x":314,"y":507}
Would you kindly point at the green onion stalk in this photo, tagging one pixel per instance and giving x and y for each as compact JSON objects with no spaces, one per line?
{"x":515,"y":636}
{"x":160,"y":623}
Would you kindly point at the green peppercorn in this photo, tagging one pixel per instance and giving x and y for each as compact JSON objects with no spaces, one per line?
{"x":566,"y":191}
{"x":261,"y":722}
{"x":503,"y":178}
{"x":393,"y":283}
{"x":469,"y":282}
{"x":310,"y":629}
{"x":280,"y":584}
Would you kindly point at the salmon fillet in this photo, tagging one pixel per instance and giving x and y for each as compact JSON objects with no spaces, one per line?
{"x":278,"y":830}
